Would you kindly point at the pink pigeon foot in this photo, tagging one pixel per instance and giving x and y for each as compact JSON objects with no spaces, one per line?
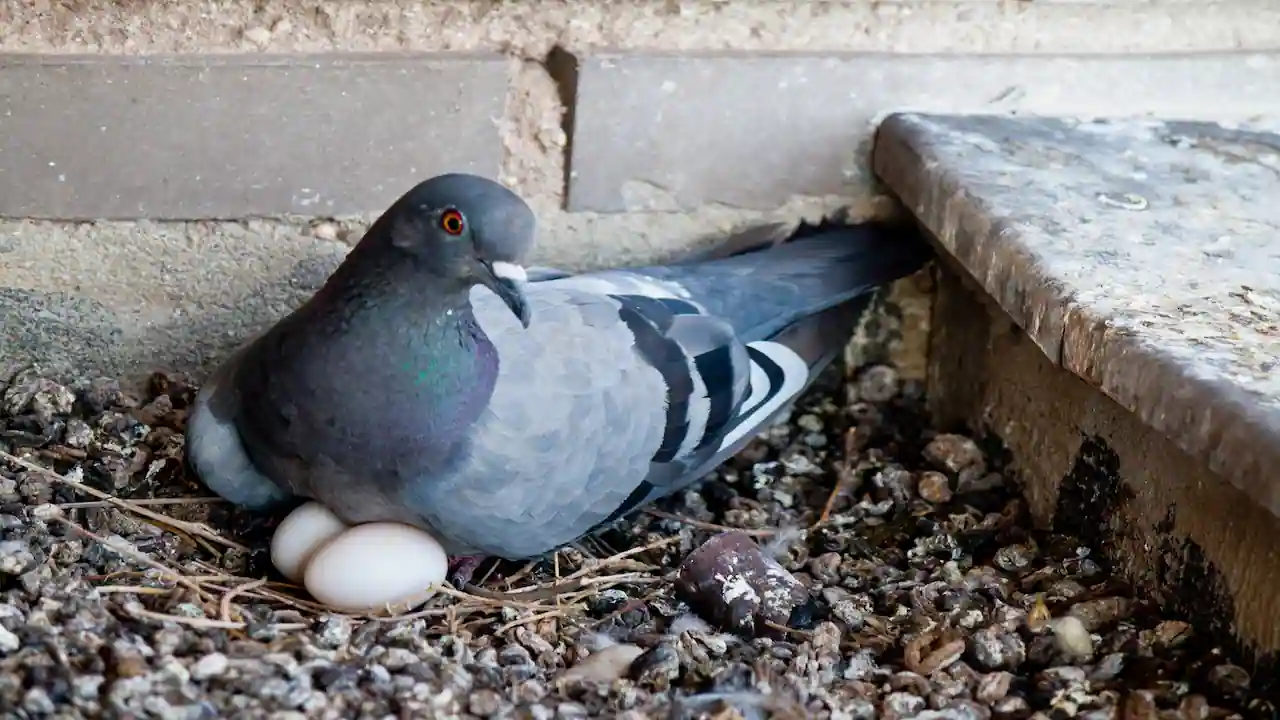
{"x":462,"y":567}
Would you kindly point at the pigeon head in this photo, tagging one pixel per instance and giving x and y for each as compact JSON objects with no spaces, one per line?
{"x":464,"y":230}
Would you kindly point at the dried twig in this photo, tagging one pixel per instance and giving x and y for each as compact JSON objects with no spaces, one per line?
{"x":190,"y":528}
{"x":134,"y":554}
{"x":142,"y":502}
{"x":225,"y":605}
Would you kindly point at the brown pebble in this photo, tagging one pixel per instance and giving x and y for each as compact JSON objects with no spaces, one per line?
{"x":1140,"y":705}
{"x":731,"y":583}
{"x":954,"y":453}
{"x":1099,"y":613}
{"x":1172,"y":633}
{"x":934,"y":487}
{"x":1194,"y":707}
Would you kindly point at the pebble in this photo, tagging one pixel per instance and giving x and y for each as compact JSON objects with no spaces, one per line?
{"x":934,"y":487}
{"x":954,"y":452}
{"x":210,"y":666}
{"x":878,"y":383}
{"x":1072,"y":637}
{"x":8,"y":641}
{"x":604,"y":665}
{"x":15,"y":558}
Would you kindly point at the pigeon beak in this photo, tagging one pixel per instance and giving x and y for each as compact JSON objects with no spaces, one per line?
{"x":507,"y":281}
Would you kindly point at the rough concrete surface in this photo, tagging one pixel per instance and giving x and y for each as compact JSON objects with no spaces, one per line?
{"x":83,"y":137}
{"x":1087,"y":465}
{"x":195,"y":306}
{"x":676,"y":132}
{"x":1139,"y":255}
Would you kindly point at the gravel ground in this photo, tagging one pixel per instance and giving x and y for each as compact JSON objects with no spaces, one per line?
{"x":931,"y":597}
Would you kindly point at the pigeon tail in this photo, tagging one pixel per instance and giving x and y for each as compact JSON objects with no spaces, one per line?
{"x":765,"y":285}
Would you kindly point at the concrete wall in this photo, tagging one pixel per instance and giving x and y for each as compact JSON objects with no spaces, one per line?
{"x":635,"y":128}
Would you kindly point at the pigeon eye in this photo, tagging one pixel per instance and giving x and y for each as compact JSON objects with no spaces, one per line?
{"x":451,"y":222}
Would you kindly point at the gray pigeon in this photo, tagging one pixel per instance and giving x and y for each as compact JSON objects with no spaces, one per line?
{"x":432,"y":381}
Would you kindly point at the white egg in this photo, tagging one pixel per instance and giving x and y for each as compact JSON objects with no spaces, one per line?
{"x":300,"y":535}
{"x":377,"y":568}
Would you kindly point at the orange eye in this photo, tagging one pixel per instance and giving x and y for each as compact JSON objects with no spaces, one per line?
{"x":451,"y":222}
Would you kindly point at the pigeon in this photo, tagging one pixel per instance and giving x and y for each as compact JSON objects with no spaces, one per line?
{"x":433,"y":380}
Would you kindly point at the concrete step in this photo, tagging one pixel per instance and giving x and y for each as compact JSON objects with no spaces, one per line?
{"x":1108,"y":307}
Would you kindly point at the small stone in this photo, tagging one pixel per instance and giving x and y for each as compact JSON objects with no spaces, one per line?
{"x":210,"y":666}
{"x":1012,"y":706}
{"x":1194,"y":707}
{"x":657,"y":667}
{"x":571,"y":711}
{"x":1073,"y":639}
{"x":15,"y":558}
{"x":901,"y":705}
{"x":1015,"y":558}
{"x":996,"y":648}
{"x":484,"y":703}
{"x":934,"y":487}
{"x":49,"y":400}
{"x":1100,"y":613}
{"x":8,"y":641}
{"x":334,"y":631}
{"x":878,"y":383}
{"x":954,"y":452}
{"x":37,"y":702}
{"x":45,"y":512}
{"x":604,"y":665}
{"x":993,"y":687}
{"x":325,"y":231}
{"x":1172,"y":633}
{"x":1229,"y":679}
{"x":1140,"y":705}
{"x":78,"y":434}
{"x":812,"y":423}
{"x":398,"y":658}
{"x":258,"y":35}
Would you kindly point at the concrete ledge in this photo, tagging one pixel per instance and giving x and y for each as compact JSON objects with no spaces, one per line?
{"x":1140,"y":256}
{"x":673,"y":132}
{"x":230,"y":136}
{"x":1126,"y":340}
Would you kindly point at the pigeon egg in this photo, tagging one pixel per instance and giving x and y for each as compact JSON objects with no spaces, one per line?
{"x":377,"y":568}
{"x":297,"y":538}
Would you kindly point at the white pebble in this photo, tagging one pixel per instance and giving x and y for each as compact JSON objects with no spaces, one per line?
{"x":1073,"y":637}
{"x":300,"y":535}
{"x":210,"y":666}
{"x":377,"y":568}
{"x":8,"y":641}
{"x":604,"y":665}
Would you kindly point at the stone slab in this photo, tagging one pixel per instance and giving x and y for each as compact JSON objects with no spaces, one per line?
{"x":671,"y":132}
{"x":229,"y":136}
{"x":1139,"y":255}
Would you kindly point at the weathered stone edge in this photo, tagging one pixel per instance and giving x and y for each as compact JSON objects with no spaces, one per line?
{"x":1209,"y":419}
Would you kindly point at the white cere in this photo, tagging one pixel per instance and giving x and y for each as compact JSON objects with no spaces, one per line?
{"x":375,"y":568}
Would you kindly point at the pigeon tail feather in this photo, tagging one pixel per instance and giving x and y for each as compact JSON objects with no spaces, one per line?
{"x":766,"y":285}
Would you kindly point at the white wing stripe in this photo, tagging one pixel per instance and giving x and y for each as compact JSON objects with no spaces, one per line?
{"x":760,"y":405}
